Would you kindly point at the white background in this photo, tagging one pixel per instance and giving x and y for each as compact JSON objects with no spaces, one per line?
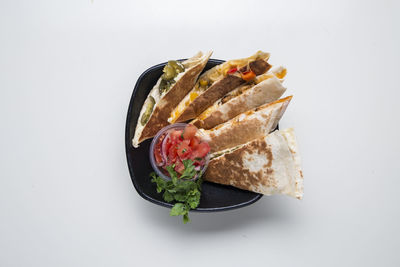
{"x":67,"y":71}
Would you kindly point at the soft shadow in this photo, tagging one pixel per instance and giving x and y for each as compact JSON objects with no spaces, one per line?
{"x":268,"y":210}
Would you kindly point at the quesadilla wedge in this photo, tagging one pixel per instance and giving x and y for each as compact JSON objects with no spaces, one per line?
{"x":217,"y":82}
{"x":178,"y":79}
{"x":247,"y":126}
{"x":265,"y":89}
{"x":268,"y":165}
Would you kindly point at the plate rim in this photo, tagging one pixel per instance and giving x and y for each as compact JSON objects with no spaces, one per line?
{"x":128,"y":145}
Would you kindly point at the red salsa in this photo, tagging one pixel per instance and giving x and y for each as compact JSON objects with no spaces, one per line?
{"x":177,"y":145}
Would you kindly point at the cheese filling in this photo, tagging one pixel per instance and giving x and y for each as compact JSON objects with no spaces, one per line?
{"x":209,"y":77}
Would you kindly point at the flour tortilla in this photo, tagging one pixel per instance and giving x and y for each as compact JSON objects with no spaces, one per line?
{"x":264,"y":92}
{"x":198,"y":99}
{"x":268,"y":165}
{"x":165,"y":103}
{"x":247,"y":126}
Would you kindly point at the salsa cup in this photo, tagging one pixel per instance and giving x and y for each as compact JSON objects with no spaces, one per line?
{"x":162,"y":134}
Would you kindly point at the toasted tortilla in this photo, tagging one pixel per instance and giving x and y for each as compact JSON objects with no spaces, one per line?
{"x":268,"y":165}
{"x":166,"y":102}
{"x":247,"y":126}
{"x":266,"y":91}
{"x":220,"y":83}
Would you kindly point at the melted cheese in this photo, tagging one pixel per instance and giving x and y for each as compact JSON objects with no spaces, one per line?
{"x":193,"y":96}
{"x":279,"y":72}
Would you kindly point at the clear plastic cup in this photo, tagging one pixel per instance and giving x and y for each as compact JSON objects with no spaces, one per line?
{"x":164,"y":131}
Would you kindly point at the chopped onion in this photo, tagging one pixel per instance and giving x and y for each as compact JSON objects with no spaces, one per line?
{"x":164,"y":148}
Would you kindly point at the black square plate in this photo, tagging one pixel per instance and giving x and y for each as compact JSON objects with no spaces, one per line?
{"x":214,"y":197}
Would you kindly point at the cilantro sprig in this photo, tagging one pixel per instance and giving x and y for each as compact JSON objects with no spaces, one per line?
{"x":181,"y":190}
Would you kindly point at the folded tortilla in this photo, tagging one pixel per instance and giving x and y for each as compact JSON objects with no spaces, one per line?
{"x":247,"y":126}
{"x":268,"y":165}
{"x":217,"y":82}
{"x":242,"y":99}
{"x":161,"y":102}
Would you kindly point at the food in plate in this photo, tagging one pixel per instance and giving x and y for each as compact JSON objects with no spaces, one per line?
{"x":180,"y":156}
{"x":265,"y":89}
{"x":217,"y":82}
{"x":247,"y":126}
{"x":178,"y":144}
{"x":268,"y":165}
{"x":177,"y":80}
{"x":234,"y":108}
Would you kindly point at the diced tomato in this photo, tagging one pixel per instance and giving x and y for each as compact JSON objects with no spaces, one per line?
{"x":157,"y":154}
{"x":179,"y":167}
{"x":176,"y":135}
{"x":201,"y":150}
{"x":172,"y":142}
{"x":194,"y":142}
{"x":194,"y":155}
{"x":248,"y":75}
{"x":183,"y":149}
{"x":171,"y":156}
{"x":233,"y":70}
{"x":189,"y":132}
{"x":158,"y":158}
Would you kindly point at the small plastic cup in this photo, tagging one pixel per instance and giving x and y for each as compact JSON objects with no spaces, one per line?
{"x":166,"y":130}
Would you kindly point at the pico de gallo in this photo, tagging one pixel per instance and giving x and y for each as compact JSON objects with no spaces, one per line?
{"x":177,"y":145}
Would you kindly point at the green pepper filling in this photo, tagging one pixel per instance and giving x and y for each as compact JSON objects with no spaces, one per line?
{"x":149,"y":110}
{"x":171,"y":70}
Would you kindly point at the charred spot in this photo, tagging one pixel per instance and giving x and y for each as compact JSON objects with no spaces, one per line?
{"x":236,"y":109}
{"x":238,"y":133}
{"x":214,"y":119}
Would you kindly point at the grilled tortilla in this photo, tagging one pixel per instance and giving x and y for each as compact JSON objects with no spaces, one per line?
{"x":241,"y":99}
{"x":217,"y":82}
{"x":166,"y":95}
{"x":268,"y":165}
{"x":247,"y":126}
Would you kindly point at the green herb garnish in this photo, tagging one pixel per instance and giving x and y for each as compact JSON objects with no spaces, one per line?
{"x":185,"y":192}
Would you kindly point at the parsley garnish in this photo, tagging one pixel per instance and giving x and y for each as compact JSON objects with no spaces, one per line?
{"x":185,"y":192}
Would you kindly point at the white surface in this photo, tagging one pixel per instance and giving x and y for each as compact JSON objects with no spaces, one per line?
{"x":67,"y":70}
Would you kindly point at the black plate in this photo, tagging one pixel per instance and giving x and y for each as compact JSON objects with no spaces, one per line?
{"x":214,"y":197}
